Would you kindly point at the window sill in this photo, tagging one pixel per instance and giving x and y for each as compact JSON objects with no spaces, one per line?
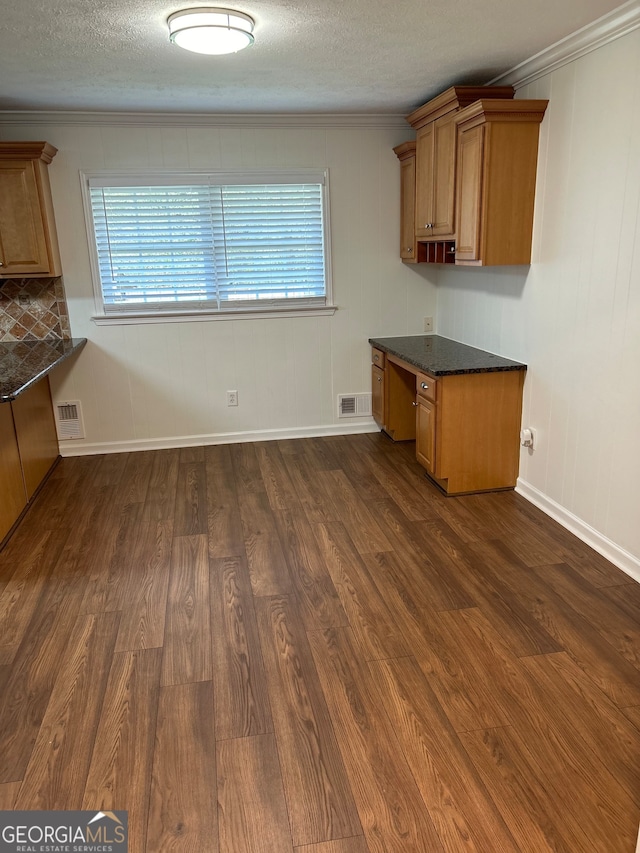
{"x":130,"y":318}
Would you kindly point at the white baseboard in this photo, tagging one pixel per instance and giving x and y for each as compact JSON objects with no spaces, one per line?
{"x":82,"y":448}
{"x":596,"y":540}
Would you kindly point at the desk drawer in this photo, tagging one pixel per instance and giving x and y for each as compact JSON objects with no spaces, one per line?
{"x":427,"y":386}
{"x":378,"y":357}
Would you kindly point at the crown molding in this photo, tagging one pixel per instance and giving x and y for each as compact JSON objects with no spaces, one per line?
{"x":251,"y":120}
{"x":621,"y":21}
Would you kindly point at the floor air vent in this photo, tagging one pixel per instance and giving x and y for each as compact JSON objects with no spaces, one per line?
{"x":69,"y":420}
{"x":354,"y":405}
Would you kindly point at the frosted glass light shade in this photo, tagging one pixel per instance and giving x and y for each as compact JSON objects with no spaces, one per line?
{"x":211,"y":30}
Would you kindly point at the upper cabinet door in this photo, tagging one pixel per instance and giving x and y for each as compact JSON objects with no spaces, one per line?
{"x":28,"y":241}
{"x":469,"y":195}
{"x":444,"y":159}
{"x":408,"y":210}
{"x":436,"y":179}
{"x":23,"y":248}
{"x":424,"y":181}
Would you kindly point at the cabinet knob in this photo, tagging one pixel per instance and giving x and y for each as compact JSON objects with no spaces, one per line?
{"x":379,"y":378}
{"x":1,"y":264}
{"x":424,"y":385}
{"x":409,"y":249}
{"x":414,"y":403}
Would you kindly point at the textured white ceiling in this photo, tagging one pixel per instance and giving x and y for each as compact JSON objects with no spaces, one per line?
{"x":315,"y":56}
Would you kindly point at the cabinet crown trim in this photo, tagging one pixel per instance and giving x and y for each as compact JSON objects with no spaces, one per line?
{"x":454,"y":99}
{"x":405,"y":149}
{"x":489,"y":109}
{"x":27,"y":151}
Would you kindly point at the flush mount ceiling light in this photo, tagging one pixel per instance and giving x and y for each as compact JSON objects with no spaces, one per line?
{"x":211,"y":30}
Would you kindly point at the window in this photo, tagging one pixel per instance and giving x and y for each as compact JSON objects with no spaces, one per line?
{"x":185,"y":244}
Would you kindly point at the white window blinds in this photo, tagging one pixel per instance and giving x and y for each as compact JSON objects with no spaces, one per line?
{"x":208,"y":246}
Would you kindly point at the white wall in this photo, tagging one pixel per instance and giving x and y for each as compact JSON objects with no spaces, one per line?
{"x":153,"y":385}
{"x":574,"y":315}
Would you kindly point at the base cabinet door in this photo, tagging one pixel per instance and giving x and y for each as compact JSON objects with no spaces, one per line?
{"x":426,"y":434}
{"x":377,"y":395}
{"x":36,"y":433}
{"x":13,"y":498}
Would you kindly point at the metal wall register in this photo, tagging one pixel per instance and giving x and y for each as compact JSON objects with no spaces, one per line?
{"x":63,"y":832}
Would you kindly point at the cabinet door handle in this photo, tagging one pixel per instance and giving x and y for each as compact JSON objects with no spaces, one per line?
{"x":425,"y":386}
{"x":414,"y":403}
{"x":379,"y":378}
{"x":409,"y":249}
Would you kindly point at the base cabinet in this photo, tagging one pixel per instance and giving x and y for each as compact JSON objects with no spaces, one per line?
{"x":13,"y":497}
{"x":28,"y":450}
{"x":377,"y":395}
{"x":477,"y":428}
{"x":36,"y":432}
{"x":466,"y":426}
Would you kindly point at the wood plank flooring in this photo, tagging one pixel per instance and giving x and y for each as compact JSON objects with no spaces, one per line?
{"x":303,"y":646}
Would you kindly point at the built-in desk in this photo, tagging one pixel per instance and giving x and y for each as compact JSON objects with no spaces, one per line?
{"x":461,"y":405}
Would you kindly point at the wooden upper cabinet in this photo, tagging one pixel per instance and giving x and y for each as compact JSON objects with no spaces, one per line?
{"x":497,"y":157}
{"x":435,"y":127}
{"x":409,"y":247}
{"x":435,"y":179}
{"x":28,"y":239}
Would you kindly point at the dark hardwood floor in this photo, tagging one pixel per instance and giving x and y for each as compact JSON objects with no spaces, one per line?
{"x":302,"y":645}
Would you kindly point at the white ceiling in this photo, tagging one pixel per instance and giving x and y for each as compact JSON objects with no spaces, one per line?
{"x":348,"y":56}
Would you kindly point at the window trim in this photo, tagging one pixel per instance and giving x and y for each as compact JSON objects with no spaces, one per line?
{"x":146,"y":177}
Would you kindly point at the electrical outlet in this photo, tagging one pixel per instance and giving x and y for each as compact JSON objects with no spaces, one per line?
{"x":428,"y":324}
{"x":232,"y":398}
{"x":529,"y":438}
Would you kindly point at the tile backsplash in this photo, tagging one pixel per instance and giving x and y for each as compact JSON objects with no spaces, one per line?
{"x":33,"y":309}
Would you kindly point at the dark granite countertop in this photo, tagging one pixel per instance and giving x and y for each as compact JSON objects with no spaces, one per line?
{"x":23,"y":363}
{"x":442,"y":357}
